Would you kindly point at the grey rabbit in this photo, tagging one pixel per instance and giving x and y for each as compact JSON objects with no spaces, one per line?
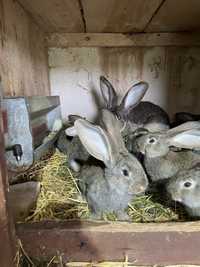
{"x":75,"y":151}
{"x":137,"y":114}
{"x":166,"y":153}
{"x":72,"y":147}
{"x":69,"y":143}
{"x":185,"y":188}
{"x":181,"y":117}
{"x":109,"y":189}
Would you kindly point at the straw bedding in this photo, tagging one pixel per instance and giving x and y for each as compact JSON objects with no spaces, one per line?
{"x":61,"y":199}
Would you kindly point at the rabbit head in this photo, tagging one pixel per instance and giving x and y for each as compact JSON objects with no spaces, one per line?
{"x":107,"y":145}
{"x":185,"y":187}
{"x":131,"y":99}
{"x":185,"y":136}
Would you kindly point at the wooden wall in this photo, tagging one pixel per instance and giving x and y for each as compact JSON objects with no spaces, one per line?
{"x":112,"y":16}
{"x":173,"y":74}
{"x":23,"y":57}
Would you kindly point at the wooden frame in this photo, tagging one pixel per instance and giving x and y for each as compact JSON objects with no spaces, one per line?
{"x":7,"y":229}
{"x":63,"y":40}
{"x":142,"y":244}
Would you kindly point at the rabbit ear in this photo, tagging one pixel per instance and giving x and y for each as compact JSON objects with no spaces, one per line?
{"x":108,"y":93}
{"x":71,"y":131}
{"x":72,"y":118}
{"x":134,"y":96}
{"x":113,"y":127}
{"x":190,"y":125}
{"x":95,"y":140}
{"x":189,"y":139}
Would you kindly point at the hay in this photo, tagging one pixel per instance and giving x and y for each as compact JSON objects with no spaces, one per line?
{"x":144,"y":209}
{"x":60,"y":198}
{"x":22,"y":259}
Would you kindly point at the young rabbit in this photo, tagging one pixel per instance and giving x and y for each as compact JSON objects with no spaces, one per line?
{"x":185,"y":188}
{"x":137,"y":114}
{"x":109,"y":189}
{"x":181,"y":117}
{"x":168,"y":152}
{"x":73,"y":148}
{"x":70,"y":144}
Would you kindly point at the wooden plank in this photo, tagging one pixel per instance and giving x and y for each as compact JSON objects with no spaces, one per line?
{"x":55,"y":15}
{"x":7,"y":229}
{"x":118,"y":264}
{"x":63,"y":40}
{"x":118,"y":16}
{"x":143,"y":244}
{"x":179,"y":15}
{"x":23,"y":65}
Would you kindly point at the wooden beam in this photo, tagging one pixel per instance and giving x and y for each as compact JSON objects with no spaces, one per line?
{"x":7,"y":229}
{"x":63,"y":40}
{"x":143,"y":244}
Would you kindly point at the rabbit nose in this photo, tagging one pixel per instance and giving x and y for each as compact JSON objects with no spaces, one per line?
{"x":142,"y":188}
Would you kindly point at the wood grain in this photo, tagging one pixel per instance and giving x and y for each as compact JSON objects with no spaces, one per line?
{"x":7,"y":229}
{"x":23,"y":65}
{"x":152,"y":244}
{"x":118,"y":16}
{"x":174,"y":16}
{"x":63,"y":40}
{"x":55,"y":15}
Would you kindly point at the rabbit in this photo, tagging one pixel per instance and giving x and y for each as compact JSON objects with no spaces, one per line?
{"x":185,"y":188}
{"x":186,"y":116}
{"x":111,"y":188}
{"x":74,"y":150}
{"x":166,"y":153}
{"x":181,"y":117}
{"x":70,"y":144}
{"x":137,"y":114}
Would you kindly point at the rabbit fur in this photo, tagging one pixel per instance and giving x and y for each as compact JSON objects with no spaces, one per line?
{"x":135,"y":113}
{"x":112,"y":188}
{"x":165,"y":153}
{"x":185,"y":188}
{"x":75,"y":151}
{"x":181,"y":117}
{"x":77,"y":154}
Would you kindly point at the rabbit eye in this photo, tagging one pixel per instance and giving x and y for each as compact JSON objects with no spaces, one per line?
{"x":152,"y":140}
{"x":125,"y":172}
{"x":187,"y":184}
